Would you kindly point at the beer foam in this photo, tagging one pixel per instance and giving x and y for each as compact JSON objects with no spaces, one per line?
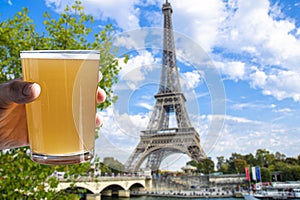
{"x":62,"y":54}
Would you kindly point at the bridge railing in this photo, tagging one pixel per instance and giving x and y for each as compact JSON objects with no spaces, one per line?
{"x":101,"y":178}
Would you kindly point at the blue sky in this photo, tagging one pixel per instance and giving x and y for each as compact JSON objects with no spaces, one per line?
{"x":250,"y":97}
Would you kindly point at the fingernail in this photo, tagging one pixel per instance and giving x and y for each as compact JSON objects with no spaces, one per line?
{"x":32,"y":89}
{"x":36,"y":88}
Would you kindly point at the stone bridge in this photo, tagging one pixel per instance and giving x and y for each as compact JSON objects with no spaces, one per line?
{"x":107,"y":186}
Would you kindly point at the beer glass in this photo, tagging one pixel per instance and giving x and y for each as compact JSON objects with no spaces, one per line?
{"x":61,"y":121}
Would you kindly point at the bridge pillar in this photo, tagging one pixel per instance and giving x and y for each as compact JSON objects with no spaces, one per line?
{"x":148,"y":184}
{"x":124,"y":193}
{"x":93,"y":197}
{"x":107,"y":193}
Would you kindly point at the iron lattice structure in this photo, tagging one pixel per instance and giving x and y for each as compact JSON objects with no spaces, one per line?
{"x":159,"y":140}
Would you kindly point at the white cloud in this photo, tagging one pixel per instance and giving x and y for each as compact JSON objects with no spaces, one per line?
{"x":199,"y":21}
{"x":126,"y":41}
{"x":258,"y":78}
{"x":242,"y":135}
{"x":191,"y":79}
{"x":123,"y":12}
{"x":278,"y":83}
{"x":235,"y":70}
{"x":252,"y":105}
{"x":240,"y":120}
{"x":298,"y":32}
{"x":57,"y":5}
{"x":120,"y":133}
{"x":134,"y":69}
{"x":283,"y":110}
{"x":146,"y":105}
{"x":253,"y":29}
{"x":282,"y":84}
{"x":230,"y":119}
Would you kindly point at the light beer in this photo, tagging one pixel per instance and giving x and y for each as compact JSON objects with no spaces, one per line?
{"x":61,"y":121}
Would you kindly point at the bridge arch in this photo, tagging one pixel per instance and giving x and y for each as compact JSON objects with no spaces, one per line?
{"x":77,"y":190}
{"x":136,"y":186}
{"x":113,"y":187}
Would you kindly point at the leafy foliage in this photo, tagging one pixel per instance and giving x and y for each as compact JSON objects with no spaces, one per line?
{"x":20,"y":176}
{"x":16,"y":34}
{"x":288,"y":167}
{"x":240,"y":165}
{"x":206,"y":166}
{"x":268,"y":162}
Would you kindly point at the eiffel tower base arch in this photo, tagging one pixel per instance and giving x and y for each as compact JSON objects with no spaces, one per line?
{"x":158,"y":145}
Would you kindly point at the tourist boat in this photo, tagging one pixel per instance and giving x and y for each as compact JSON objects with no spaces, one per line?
{"x":288,"y":190}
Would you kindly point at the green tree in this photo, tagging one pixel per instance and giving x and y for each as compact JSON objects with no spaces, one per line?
{"x":292,"y":161}
{"x":240,"y":165}
{"x":266,"y":174}
{"x":231,"y":162}
{"x":18,"y":174}
{"x":250,"y":159}
{"x":295,"y":170}
{"x":221,"y":161}
{"x":16,"y":34}
{"x":279,"y":156}
{"x":290,"y":172}
{"x":222,"y":166}
{"x":193,"y":163}
{"x":206,"y":166}
{"x":287,"y":167}
{"x":264,"y":158}
{"x":224,"y":169}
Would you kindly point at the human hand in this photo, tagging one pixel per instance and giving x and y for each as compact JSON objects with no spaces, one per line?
{"x":13,"y":124}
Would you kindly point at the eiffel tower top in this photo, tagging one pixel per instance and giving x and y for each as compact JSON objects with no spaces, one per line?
{"x":169,"y":80}
{"x":167,"y":6}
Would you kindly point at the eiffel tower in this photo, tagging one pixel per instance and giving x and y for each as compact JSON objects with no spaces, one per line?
{"x":159,"y":141}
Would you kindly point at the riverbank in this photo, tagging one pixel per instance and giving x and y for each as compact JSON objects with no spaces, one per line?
{"x":189,"y":194}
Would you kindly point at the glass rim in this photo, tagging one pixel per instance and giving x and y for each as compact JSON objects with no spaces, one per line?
{"x":61,"y":54}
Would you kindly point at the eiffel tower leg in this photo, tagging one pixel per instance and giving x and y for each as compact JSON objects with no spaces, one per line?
{"x":160,"y":117}
{"x":154,"y":160}
{"x":195,"y":151}
{"x":134,"y":159}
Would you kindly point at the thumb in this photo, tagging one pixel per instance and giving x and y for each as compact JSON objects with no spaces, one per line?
{"x":18,"y":91}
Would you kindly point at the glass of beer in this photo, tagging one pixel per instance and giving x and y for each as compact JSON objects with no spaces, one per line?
{"x":61,"y":121}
